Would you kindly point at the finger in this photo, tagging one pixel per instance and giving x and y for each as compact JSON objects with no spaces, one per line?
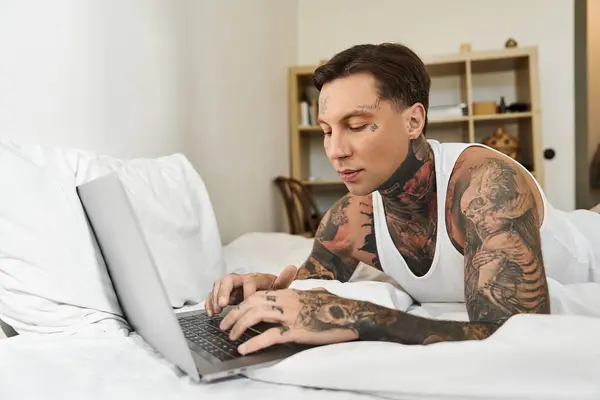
{"x":208,"y":305}
{"x":228,"y":283}
{"x":286,"y":277}
{"x":236,"y":296}
{"x":263,"y":313}
{"x":236,"y":313}
{"x":249,"y":288}
{"x":268,"y":338}
{"x":215,"y":292}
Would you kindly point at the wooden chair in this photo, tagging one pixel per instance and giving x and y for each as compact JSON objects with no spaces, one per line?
{"x":302,"y":211}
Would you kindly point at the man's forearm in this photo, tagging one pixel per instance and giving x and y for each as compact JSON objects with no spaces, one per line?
{"x":380,"y":323}
{"x":369,"y":321}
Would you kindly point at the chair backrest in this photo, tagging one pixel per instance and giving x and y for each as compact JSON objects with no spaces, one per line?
{"x":302,"y":211}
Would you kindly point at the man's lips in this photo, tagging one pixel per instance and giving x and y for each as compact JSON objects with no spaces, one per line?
{"x":349,"y":175}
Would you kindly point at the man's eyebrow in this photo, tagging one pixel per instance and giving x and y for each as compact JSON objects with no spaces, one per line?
{"x":351,"y":114}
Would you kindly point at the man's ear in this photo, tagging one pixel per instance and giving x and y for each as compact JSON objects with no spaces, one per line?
{"x":415,"y":118}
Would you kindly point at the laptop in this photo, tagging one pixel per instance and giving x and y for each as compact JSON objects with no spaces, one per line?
{"x":191,"y":341}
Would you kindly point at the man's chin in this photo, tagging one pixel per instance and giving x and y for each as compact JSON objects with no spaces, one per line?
{"x":359,"y":190}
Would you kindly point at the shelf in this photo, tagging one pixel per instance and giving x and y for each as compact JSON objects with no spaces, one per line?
{"x":448,"y":120}
{"x":500,"y":117}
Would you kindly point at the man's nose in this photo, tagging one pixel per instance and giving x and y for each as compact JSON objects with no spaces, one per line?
{"x":337,"y":146}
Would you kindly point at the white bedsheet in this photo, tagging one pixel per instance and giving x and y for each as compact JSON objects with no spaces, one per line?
{"x":118,"y":368}
{"x":530,"y":357}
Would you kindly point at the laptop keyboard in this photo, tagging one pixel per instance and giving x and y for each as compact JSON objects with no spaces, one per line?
{"x":204,"y":331}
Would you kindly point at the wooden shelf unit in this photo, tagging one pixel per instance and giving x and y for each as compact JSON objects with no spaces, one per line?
{"x":456,"y":78}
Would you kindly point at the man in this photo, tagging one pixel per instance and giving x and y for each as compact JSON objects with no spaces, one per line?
{"x":448,"y":222}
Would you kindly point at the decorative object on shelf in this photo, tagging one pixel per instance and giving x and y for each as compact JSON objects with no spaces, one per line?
{"x":465,"y":47}
{"x":518,"y":107}
{"x":502,"y":106}
{"x":503,"y":142}
{"x":484,"y":107}
{"x":510,"y":43}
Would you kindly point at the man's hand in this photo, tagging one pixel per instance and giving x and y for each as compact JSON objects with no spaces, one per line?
{"x":308,"y":317}
{"x":233,"y":289}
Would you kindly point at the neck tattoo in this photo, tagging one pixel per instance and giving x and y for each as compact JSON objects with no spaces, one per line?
{"x":410,"y":202}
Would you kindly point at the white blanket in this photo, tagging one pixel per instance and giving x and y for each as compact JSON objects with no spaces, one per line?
{"x":530,"y":357}
{"x":118,"y":368}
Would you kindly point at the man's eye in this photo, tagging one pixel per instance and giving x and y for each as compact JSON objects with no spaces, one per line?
{"x":358,"y":128}
{"x":326,"y":133}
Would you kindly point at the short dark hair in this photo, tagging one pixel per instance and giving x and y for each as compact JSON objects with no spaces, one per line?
{"x":400,"y":74}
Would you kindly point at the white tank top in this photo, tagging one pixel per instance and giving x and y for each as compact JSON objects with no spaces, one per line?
{"x":569,"y":255}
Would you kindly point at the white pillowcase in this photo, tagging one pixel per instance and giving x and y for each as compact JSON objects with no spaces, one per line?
{"x":177,"y":219}
{"x":52,"y":277}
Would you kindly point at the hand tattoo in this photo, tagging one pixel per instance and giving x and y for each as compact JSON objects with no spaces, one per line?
{"x":277,"y":308}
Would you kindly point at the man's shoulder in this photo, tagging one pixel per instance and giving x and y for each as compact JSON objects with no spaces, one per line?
{"x":355,"y":209}
{"x":478,"y":161}
{"x":492,"y":175}
{"x":352,"y":218}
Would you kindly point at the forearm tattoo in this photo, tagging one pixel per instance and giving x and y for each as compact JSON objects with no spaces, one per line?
{"x":322,"y":311}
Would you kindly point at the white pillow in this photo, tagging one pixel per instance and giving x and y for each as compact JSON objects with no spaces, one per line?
{"x":52,"y":278}
{"x":266,"y":252}
{"x":177,"y":219}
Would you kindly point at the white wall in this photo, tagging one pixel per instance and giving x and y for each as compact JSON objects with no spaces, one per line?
{"x":152,"y":77}
{"x":238,"y":53}
{"x":440,"y":26}
{"x":99,"y":75}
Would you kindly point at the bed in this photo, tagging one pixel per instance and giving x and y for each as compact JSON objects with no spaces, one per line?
{"x":74,"y":344}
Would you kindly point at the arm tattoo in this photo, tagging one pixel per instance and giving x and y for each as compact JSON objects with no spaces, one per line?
{"x":504,"y":272}
{"x":331,"y":256}
{"x":322,"y":311}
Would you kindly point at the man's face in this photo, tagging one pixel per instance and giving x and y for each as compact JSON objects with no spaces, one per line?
{"x":366,"y":138}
